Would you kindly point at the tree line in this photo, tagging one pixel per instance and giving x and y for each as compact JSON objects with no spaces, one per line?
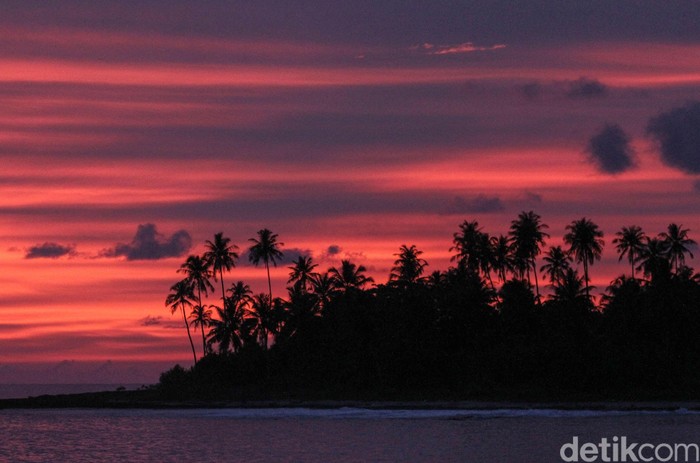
{"x":481,"y":326}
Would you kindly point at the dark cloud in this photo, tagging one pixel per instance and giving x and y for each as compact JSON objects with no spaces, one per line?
{"x":333,"y":250}
{"x":610,"y":150}
{"x":677,"y":133}
{"x":530,"y":90}
{"x":148,"y":244}
{"x":49,"y":250}
{"x":586,"y":88}
{"x":696,"y":186}
{"x":479,"y":203}
{"x":150,"y":320}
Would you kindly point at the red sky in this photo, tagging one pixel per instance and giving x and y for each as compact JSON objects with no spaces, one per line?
{"x":355,"y":129}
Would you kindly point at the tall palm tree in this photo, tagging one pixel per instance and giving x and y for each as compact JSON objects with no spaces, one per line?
{"x":302,"y":272}
{"x":181,"y":295}
{"x":676,"y":241}
{"x":221,"y":255}
{"x":557,"y":263}
{"x":197,"y":273}
{"x":527,"y":238}
{"x":408,"y":267}
{"x":468,"y":245}
{"x":266,"y":248}
{"x":349,"y":276}
{"x":586,"y":243}
{"x":631,"y":241}
{"x":570,"y":288}
{"x":201,"y":317}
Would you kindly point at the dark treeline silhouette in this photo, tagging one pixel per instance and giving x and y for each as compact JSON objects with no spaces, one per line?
{"x":497,"y":324}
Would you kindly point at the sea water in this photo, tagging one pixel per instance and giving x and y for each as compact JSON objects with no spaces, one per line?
{"x":325,"y":435}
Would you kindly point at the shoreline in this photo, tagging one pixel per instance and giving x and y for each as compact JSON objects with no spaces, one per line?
{"x":147,"y":400}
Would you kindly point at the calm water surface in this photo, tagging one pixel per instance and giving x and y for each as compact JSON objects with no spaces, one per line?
{"x":304,"y":435}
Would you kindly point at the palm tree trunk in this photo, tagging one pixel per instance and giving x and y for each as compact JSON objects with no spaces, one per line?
{"x":204,"y":345}
{"x":187,"y":325}
{"x":269,"y":283}
{"x":223,"y":292}
{"x":585,"y":276}
{"x":537,"y":283}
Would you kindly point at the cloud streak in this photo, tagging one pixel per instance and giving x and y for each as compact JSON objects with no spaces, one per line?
{"x":49,"y":250}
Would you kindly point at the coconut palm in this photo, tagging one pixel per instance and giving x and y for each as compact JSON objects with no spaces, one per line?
{"x":502,"y":258}
{"x":468,"y":245}
{"x":197,"y":273}
{"x":262,"y":310}
{"x":630,"y":241}
{"x":408,"y":267}
{"x":586,"y":243}
{"x":349,"y":276}
{"x":653,"y":260}
{"x":201,"y":317}
{"x":240,"y":295}
{"x":181,"y":295}
{"x":570,"y":288}
{"x":221,"y":255}
{"x":676,"y":241}
{"x":266,"y":249}
{"x":302,"y":272}
{"x":228,"y":330}
{"x":557,"y":263}
{"x":527,"y":238}
{"x":323,"y":290}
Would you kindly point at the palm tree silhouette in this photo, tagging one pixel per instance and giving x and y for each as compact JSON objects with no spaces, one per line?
{"x":302,"y":272}
{"x":586,"y":243}
{"x":527,"y":238}
{"x":653,"y":260}
{"x":502,"y":258}
{"x":220,"y":256}
{"x":349,"y":277}
{"x":676,"y":241}
{"x":262,"y":311}
{"x":228,"y":330}
{"x":323,"y":290}
{"x":570,"y":288}
{"x":181,"y":295}
{"x":557,"y":263}
{"x":201,"y":317}
{"x":409,"y":267}
{"x":197,"y":273}
{"x":630,"y":240}
{"x":266,"y":248}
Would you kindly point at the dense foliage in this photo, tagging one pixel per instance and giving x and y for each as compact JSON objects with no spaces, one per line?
{"x":496,"y":325}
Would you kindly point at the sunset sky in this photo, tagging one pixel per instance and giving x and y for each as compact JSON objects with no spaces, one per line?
{"x":131,"y":132}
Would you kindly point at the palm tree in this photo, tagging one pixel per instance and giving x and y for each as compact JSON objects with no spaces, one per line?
{"x":266,"y":248}
{"x":570,"y":288}
{"x":181,"y":295}
{"x":653,"y":260}
{"x":409,"y":267}
{"x":201,"y":317}
{"x":228,"y":331}
{"x":323,"y":290}
{"x":676,"y":241}
{"x":558,"y":262}
{"x":630,"y":241}
{"x":586,"y":243}
{"x":197,"y":273}
{"x":527,"y":238}
{"x":468,"y":245}
{"x":220,"y":256}
{"x":302,"y":272}
{"x":349,"y":276}
{"x":502,"y":259}
{"x":262,"y":311}
{"x":240,"y":295}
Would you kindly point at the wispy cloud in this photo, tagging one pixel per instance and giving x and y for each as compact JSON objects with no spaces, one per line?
{"x":466,"y":47}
